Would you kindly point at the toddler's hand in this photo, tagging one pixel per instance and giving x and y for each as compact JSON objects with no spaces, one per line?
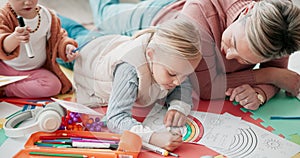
{"x":167,"y":140}
{"x":174,"y":118}
{"x":71,"y":55}
{"x":21,"y":34}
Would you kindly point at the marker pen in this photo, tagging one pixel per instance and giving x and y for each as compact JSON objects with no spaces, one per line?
{"x":158,"y":150}
{"x":27,"y":45}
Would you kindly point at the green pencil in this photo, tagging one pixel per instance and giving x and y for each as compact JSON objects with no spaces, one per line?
{"x":57,"y":155}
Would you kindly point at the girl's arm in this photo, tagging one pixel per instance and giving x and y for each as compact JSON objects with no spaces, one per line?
{"x":122,"y":98}
{"x":180,"y":98}
{"x":180,"y":104}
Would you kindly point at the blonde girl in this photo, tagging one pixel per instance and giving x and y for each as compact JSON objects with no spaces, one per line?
{"x":151,"y":67}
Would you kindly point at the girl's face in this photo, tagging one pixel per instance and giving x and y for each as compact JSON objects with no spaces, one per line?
{"x":234,"y":42}
{"x":170,"y":71}
{"x":24,"y":8}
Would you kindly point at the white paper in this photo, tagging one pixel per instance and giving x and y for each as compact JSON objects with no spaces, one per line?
{"x":231,"y":136}
{"x":12,"y":146}
{"x":4,"y":80}
{"x":7,"y":109}
{"x":76,"y":107}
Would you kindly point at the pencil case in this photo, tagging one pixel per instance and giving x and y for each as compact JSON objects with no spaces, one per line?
{"x":129,"y":145}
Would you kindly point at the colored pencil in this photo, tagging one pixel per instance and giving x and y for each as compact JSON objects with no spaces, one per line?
{"x":74,"y":136}
{"x":23,"y":102}
{"x":285,"y":117}
{"x":63,"y":137}
{"x":52,"y":145}
{"x":57,"y":155}
{"x":84,"y":44}
{"x":99,"y":141}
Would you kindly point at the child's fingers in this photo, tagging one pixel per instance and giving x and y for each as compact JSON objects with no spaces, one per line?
{"x":72,"y":56}
{"x":168,"y":121}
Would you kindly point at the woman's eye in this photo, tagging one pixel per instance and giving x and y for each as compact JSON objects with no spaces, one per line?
{"x":231,"y":41}
{"x":171,"y":74}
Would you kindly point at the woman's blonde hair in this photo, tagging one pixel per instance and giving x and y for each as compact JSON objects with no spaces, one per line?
{"x":178,"y":35}
{"x":273,"y":30}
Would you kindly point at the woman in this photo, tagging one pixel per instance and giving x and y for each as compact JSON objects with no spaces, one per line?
{"x":229,"y":53}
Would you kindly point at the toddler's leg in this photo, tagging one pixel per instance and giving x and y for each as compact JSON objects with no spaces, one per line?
{"x":40,"y":83}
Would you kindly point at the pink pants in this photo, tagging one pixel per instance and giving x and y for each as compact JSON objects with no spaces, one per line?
{"x":40,"y":83}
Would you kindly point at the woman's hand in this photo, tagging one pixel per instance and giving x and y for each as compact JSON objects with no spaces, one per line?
{"x":245,"y":95}
{"x":71,"y":55}
{"x":169,"y":140}
{"x":174,"y":118}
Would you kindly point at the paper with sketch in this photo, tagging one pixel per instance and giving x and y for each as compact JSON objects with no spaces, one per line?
{"x":5,"y":80}
{"x":231,"y":136}
{"x":209,"y":121}
{"x":76,"y":107}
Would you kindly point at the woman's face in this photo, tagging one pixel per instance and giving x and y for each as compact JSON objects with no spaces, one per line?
{"x":170,"y":71}
{"x":234,"y":43}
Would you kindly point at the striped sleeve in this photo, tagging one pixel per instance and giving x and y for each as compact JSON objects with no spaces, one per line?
{"x":122,"y":98}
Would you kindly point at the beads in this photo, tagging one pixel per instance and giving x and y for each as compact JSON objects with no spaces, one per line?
{"x":79,"y":122}
{"x":72,"y":121}
{"x":39,"y":20}
{"x":94,"y":124}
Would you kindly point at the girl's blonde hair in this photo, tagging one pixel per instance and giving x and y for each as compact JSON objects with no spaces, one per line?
{"x":178,"y":35}
{"x":273,"y":30}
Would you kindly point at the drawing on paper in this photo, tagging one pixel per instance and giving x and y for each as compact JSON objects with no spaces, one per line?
{"x":193,"y":130}
{"x":244,"y":143}
{"x":228,"y":135}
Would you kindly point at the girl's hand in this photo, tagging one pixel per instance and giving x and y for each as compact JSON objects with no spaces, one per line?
{"x":169,"y":140}
{"x":245,"y":95}
{"x":22,"y":34}
{"x":174,"y":118}
{"x":70,"y":55}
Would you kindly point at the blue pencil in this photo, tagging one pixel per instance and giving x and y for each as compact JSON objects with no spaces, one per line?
{"x":285,"y":117}
{"x":77,"y":49}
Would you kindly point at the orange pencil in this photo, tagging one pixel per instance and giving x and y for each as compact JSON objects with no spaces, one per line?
{"x":24,"y":102}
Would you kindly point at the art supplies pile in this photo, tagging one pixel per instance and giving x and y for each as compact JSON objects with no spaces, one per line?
{"x":228,"y":135}
{"x":82,"y":144}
